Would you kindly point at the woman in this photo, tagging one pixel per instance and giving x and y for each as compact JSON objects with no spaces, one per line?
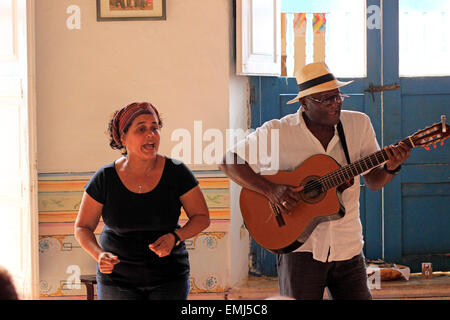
{"x":141,"y":254}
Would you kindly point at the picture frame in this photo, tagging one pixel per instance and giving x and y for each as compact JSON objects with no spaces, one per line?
{"x":120,"y":10}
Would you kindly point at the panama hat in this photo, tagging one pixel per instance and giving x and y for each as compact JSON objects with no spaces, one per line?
{"x":313,"y":78}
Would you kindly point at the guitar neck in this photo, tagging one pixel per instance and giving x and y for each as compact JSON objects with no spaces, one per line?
{"x":346,"y":173}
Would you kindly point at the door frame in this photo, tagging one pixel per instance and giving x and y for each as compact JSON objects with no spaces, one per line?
{"x":33,"y":290}
{"x":393,"y":219}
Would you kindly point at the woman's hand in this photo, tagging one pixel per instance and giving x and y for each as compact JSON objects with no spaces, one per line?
{"x":163,"y":245}
{"x":107,"y":261}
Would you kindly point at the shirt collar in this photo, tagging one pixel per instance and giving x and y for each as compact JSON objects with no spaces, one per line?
{"x":299,"y":119}
{"x":301,"y":122}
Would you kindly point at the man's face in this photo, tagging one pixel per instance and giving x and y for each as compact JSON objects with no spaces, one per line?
{"x":323,"y":108}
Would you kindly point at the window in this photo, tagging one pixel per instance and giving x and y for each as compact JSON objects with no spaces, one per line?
{"x":324,"y":30}
{"x":424,"y":40}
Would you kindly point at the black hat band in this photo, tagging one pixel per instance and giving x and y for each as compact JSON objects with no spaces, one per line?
{"x":316,"y":81}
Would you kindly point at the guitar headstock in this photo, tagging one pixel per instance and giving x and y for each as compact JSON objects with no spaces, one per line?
{"x":438,"y":132}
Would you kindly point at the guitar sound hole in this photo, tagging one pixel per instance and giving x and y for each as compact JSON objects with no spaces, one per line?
{"x":313,"y":191}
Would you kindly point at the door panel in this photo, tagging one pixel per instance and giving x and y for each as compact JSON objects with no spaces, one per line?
{"x":406,"y":222}
{"x":417,"y":200}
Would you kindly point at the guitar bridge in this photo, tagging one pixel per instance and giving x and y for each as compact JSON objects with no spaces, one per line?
{"x":277,"y":214}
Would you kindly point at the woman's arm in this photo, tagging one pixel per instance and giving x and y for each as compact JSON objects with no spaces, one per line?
{"x":197,"y":211}
{"x":194,"y":205}
{"x":85,"y":225}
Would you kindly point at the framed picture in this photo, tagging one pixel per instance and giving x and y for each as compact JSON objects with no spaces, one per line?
{"x":108,"y":10}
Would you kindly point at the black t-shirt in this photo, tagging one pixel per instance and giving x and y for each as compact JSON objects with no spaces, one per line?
{"x":133,"y":221}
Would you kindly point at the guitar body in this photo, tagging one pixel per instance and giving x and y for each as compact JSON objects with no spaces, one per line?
{"x":313,"y":209}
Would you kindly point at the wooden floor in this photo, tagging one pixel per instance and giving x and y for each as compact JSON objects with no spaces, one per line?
{"x":416,"y":288}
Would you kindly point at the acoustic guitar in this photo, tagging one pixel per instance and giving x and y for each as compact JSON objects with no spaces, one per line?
{"x":321,"y":176}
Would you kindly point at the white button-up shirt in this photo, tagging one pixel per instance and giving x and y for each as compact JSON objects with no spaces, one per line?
{"x":267,"y":150}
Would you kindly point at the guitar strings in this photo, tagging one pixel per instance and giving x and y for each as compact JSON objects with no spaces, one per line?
{"x":374,"y":159}
{"x":337,"y":176}
{"x":331,"y":179}
{"x":347,"y":172}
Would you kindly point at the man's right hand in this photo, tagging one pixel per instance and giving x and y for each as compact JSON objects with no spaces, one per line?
{"x":284,"y":197}
{"x":107,"y":261}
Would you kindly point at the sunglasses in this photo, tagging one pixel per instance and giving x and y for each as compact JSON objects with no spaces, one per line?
{"x":330,"y":100}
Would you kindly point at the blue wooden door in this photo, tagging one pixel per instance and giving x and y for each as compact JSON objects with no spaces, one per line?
{"x":406,"y":222}
{"x":416,"y":203}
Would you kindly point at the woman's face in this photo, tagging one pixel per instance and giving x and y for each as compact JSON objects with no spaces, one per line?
{"x":143,"y":136}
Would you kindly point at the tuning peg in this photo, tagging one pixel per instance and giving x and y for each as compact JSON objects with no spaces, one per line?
{"x":444,"y":127}
{"x":442,"y":143}
{"x":427,"y":148}
{"x":434,"y":146}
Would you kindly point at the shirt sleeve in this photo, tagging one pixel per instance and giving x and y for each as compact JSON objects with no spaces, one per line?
{"x":185,"y":179}
{"x":260,"y":148}
{"x":369,"y":143}
{"x":96,"y":187}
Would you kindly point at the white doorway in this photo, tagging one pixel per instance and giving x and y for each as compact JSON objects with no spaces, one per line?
{"x":18,"y":183}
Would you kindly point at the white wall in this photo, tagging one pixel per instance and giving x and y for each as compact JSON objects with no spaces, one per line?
{"x":239,"y":237}
{"x":181,"y":65}
{"x":238,"y":119}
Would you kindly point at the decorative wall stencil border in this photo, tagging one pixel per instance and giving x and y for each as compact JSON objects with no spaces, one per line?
{"x":78,"y":185}
{"x":211,"y":283}
{"x":59,"y":200}
{"x":54,"y":248}
{"x":201,"y":236}
{"x":70,"y":200}
{"x":66,"y":228}
{"x":70,"y":216}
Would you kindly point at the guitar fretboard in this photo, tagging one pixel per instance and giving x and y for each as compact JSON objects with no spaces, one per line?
{"x":354,"y":169}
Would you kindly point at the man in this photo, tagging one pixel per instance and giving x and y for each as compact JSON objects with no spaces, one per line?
{"x":332,"y":256}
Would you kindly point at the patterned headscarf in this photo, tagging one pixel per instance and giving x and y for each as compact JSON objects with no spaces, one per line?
{"x":126,"y":115}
